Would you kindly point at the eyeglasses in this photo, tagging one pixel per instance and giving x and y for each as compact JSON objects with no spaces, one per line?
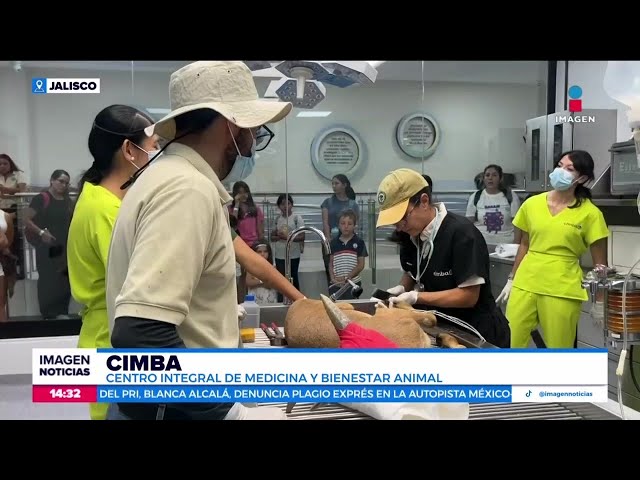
{"x":263,"y":138}
{"x":403,"y":222}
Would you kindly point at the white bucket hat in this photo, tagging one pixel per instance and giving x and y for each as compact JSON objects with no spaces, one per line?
{"x":226,"y":87}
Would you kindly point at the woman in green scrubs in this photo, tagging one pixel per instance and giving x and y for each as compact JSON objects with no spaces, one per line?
{"x":545,"y":285}
{"x":119,"y":147}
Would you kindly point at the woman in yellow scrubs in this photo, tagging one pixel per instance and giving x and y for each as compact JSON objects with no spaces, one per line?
{"x":545,"y":285}
{"x":119,"y":147}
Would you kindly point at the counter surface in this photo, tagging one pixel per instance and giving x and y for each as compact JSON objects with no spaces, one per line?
{"x":507,"y":261}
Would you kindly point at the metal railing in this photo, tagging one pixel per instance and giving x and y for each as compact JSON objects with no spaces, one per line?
{"x":376,"y":239}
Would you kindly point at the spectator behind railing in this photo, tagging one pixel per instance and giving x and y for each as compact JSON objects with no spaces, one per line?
{"x":264,"y":292}
{"x":6,"y":238}
{"x":348,"y":252}
{"x":12,"y":181}
{"x":493,"y":207}
{"x":343,"y":198}
{"x":286,"y":222}
{"x":47,"y":222}
{"x":250,"y":217}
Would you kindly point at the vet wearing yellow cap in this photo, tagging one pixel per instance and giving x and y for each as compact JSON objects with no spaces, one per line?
{"x":447,"y":261}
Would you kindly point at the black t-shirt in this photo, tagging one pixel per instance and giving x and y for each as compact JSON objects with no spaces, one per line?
{"x":459,"y":253}
{"x":56,"y":217}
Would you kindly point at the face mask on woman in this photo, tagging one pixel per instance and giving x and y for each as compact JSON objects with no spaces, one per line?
{"x":561,"y":179}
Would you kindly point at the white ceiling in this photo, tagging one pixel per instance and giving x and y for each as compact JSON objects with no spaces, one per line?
{"x":514,"y":72}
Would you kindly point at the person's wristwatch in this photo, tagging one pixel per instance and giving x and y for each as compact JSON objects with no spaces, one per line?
{"x":510,"y":277}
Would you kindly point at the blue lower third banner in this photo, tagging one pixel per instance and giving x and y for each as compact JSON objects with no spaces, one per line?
{"x":307,"y":393}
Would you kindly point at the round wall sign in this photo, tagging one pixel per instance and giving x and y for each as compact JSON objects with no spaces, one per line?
{"x":336,"y":150}
{"x":418,"y":135}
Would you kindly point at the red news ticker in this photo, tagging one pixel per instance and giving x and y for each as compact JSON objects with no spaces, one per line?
{"x":64,"y":394}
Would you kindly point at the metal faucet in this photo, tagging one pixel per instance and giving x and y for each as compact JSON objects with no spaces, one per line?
{"x":356,"y":291}
{"x":596,"y":279}
{"x":287,"y":261}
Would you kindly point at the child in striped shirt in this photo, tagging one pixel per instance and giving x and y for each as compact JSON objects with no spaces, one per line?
{"x":348,"y":252}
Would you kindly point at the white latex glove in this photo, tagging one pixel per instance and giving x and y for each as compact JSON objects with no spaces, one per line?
{"x":506,"y":291}
{"x":241,"y":313}
{"x":397,"y":290}
{"x":240,"y":412}
{"x":597,"y":314}
{"x":407,"y":297}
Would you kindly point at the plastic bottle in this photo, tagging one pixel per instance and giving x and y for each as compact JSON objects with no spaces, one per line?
{"x":252,"y":320}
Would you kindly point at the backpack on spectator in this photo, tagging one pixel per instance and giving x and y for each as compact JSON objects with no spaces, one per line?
{"x":509,"y":196}
{"x":476,"y":198}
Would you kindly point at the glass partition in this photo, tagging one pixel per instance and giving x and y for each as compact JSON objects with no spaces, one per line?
{"x":447,"y":120}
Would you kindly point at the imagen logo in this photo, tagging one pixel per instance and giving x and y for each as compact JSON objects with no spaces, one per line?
{"x":575,"y":108}
{"x":575,"y":95}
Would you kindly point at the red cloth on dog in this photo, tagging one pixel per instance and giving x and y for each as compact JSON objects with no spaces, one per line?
{"x":355,"y":336}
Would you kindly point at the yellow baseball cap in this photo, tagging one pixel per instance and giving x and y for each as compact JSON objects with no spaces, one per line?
{"x":394,"y":193}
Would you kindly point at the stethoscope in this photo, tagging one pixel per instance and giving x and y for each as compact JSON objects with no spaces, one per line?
{"x":425,"y":250}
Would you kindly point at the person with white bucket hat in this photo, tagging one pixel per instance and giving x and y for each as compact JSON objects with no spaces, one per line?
{"x":171,"y":273}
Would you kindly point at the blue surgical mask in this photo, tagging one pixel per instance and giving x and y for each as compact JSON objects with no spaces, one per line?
{"x":243,"y":166}
{"x":561,"y":179}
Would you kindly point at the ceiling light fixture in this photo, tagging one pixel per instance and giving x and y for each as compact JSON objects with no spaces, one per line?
{"x":304,"y":81}
{"x":313,"y":113}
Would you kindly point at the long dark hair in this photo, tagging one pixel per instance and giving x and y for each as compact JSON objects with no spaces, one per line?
{"x":66,"y":197}
{"x":12,"y":165}
{"x":583,"y":164}
{"x":403,"y":238}
{"x":252,"y":210}
{"x":351,"y":194}
{"x":260,"y":242}
{"x":501,"y":186}
{"x":111,"y":127}
{"x":282,"y":198}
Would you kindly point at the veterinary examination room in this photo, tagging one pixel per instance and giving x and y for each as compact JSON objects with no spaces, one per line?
{"x":425,"y":212}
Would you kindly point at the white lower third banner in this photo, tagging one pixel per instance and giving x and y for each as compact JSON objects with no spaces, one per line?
{"x":301,"y":375}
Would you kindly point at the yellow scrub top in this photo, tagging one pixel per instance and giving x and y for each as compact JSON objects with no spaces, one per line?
{"x":556,"y":243}
{"x":87,"y":250}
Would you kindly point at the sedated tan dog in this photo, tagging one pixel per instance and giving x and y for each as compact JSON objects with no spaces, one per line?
{"x":308,"y":324}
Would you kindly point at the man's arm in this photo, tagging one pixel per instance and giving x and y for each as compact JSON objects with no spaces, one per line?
{"x":134,"y":332}
{"x":362,"y":254}
{"x":466,"y":297}
{"x":599,"y":251}
{"x":407,"y":282}
{"x":357,"y":269}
